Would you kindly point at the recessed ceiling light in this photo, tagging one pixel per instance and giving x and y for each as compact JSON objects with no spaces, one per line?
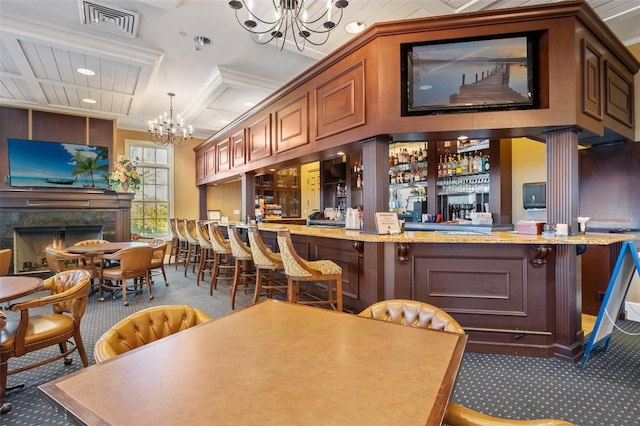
{"x":340,"y":152}
{"x":463,"y":137}
{"x":86,"y":71}
{"x":355,"y":27}
{"x":89,"y":101}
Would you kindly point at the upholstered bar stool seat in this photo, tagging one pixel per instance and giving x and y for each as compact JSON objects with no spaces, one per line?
{"x":266,"y":263}
{"x":222,"y":257}
{"x":299,"y":270}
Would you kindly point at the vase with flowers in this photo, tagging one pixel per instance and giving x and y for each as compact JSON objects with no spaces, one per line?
{"x":124,"y":176}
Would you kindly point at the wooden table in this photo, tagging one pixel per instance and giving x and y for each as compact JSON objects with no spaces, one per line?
{"x":104,"y":247}
{"x":272,"y":363}
{"x":14,"y":287}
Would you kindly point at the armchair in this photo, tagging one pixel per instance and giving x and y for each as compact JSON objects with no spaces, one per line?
{"x":5,"y":261}
{"x":32,"y":332}
{"x":134,"y":263}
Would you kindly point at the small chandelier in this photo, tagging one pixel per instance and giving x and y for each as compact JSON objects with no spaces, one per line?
{"x":165,"y":131}
{"x":291,"y":21}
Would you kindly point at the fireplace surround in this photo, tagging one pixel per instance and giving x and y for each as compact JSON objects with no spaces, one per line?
{"x":104,"y":213}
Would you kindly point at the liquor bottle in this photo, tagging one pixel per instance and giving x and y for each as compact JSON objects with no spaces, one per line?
{"x":487,"y":166}
{"x":440,"y":167}
{"x":458,"y":165}
{"x":464,"y":164}
{"x":420,"y":155}
{"x":359,"y":181}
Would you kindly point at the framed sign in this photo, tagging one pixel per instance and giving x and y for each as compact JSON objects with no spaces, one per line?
{"x":387,"y":223}
{"x":214,"y":214}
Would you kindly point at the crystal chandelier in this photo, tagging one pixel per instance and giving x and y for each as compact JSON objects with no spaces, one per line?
{"x":291,"y":20}
{"x":165,"y":131}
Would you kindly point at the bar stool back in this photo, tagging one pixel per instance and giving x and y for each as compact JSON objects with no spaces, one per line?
{"x":183,"y":246}
{"x":243,"y":259}
{"x":266,"y":263}
{"x":299,"y":270}
{"x":175,"y":240}
{"x":193,"y":246}
{"x":222,"y":256}
{"x":206,"y":249}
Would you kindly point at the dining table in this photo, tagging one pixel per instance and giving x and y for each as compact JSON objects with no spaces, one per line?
{"x":14,"y":286}
{"x":110,"y":247}
{"x":272,"y":363}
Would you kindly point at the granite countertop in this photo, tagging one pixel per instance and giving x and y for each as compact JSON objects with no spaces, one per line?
{"x":589,"y":238}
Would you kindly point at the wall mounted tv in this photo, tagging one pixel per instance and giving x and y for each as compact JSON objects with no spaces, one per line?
{"x":57,"y":165}
{"x":469,"y":75}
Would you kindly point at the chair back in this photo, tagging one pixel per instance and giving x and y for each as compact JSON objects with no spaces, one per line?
{"x":181,"y":228}
{"x":72,"y":290}
{"x":218,"y":242}
{"x":263,"y":257}
{"x":202,"y":231}
{"x":412,"y":313}
{"x":57,"y":259}
{"x":173,"y":228}
{"x":292,"y":262}
{"x":192,"y":235}
{"x":5,"y":261}
{"x":134,"y":261}
{"x":239,"y":249}
{"x":159,"y":250}
{"x":146,"y":326}
{"x":88,"y":242}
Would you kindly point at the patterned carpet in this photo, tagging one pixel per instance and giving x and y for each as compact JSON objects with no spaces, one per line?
{"x":606,"y":392}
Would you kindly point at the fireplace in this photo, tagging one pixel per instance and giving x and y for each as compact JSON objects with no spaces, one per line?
{"x":33,"y":219}
{"x":29,"y":244}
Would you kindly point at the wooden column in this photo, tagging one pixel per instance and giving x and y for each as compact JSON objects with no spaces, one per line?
{"x":562,"y":207}
{"x":248,"y":196}
{"x":375,"y":195}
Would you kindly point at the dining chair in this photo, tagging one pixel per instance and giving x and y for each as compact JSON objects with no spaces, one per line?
{"x":299,"y":270}
{"x":457,"y":415}
{"x":59,"y":260}
{"x":5,"y":261}
{"x":146,"y":326}
{"x":222,"y":257}
{"x":266,"y":263}
{"x":206,"y":249}
{"x":157,"y":260}
{"x":134,"y":263}
{"x":243,"y":259}
{"x":412,"y":313}
{"x":36,"y":329}
{"x":91,"y":257}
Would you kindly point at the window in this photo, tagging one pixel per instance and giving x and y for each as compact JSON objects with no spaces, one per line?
{"x":151,"y":205}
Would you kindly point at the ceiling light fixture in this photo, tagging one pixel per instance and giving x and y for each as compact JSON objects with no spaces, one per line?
{"x":293,"y":20}
{"x":86,"y":71}
{"x":355,"y":27}
{"x":89,"y":101}
{"x":201,"y":41}
{"x":165,"y":131}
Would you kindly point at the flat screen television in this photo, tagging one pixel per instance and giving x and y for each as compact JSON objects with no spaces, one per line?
{"x":338,"y":172}
{"x":57,"y":165}
{"x":469,"y":75}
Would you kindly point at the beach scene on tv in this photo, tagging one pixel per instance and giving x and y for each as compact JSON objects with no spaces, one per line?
{"x":57,"y":165}
{"x":467,"y":74}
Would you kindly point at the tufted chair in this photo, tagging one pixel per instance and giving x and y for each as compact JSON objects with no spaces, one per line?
{"x":412,"y":313}
{"x":134,"y":263}
{"x":266,"y":262}
{"x":457,"y":415}
{"x":34,"y":331}
{"x":298,"y":270}
{"x":222,"y":256}
{"x":243,"y":259}
{"x":146,"y":326}
{"x":61,"y":260}
{"x":5,"y":261}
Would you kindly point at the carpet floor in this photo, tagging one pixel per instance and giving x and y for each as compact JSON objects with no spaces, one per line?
{"x":605,"y":392}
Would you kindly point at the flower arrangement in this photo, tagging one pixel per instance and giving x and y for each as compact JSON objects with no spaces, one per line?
{"x":125,"y":175}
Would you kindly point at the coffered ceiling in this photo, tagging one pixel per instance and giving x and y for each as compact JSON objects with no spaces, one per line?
{"x":141,"y":50}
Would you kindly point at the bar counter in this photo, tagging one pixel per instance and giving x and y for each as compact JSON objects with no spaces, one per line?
{"x":590,"y":238}
{"x":502,"y":287}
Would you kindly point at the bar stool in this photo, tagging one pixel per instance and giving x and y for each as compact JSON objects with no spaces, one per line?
{"x":266,"y":263}
{"x":193,"y":246}
{"x":243,"y":259}
{"x":183,"y":240}
{"x":299,"y":270}
{"x":206,"y":249}
{"x":222,"y":256}
{"x":175,"y":240}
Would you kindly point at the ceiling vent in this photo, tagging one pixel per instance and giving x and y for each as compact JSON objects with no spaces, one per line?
{"x":109,"y":18}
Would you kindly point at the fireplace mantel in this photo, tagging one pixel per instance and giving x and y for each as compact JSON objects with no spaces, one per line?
{"x":53,"y":207}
